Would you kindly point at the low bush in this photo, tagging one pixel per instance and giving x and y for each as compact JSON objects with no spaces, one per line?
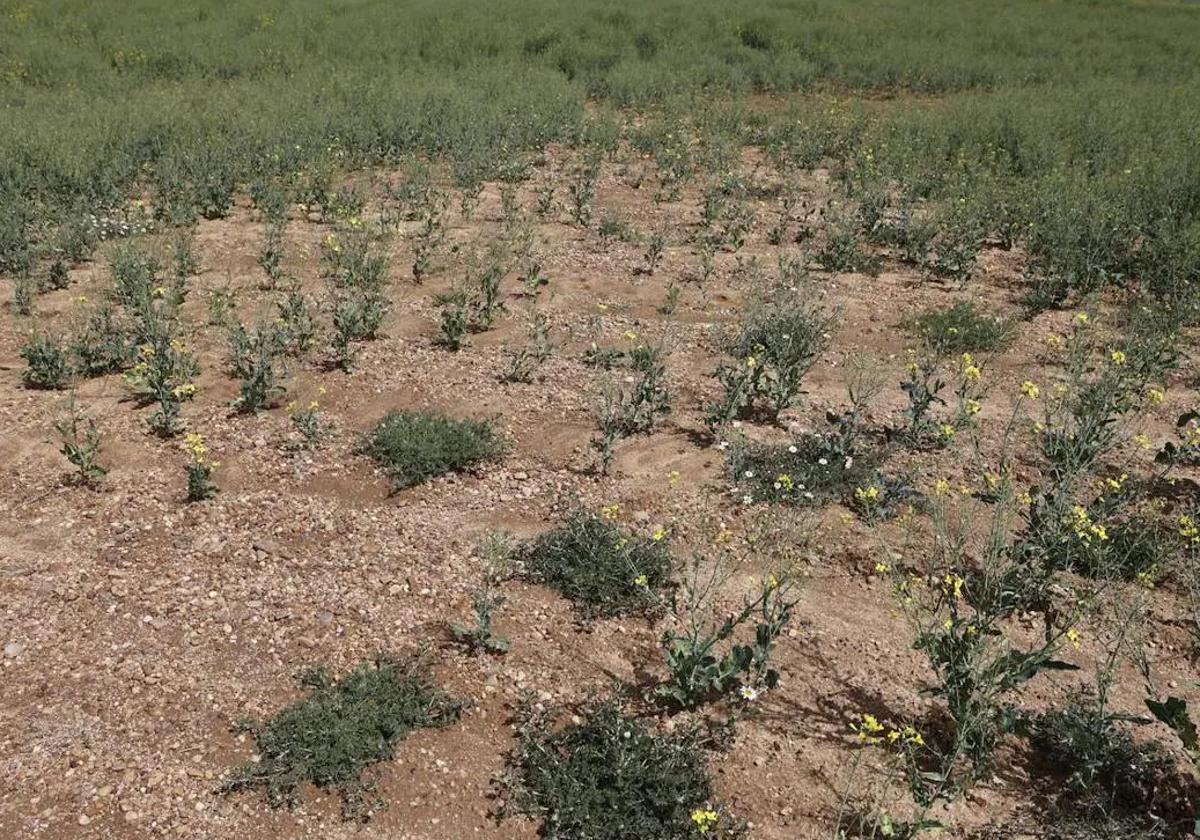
{"x":415,"y":446}
{"x":340,"y":729}
{"x":961,"y":328}
{"x":610,"y":778}
{"x":601,"y":568}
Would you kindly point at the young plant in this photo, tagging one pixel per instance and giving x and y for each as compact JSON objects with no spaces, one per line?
{"x":200,"y":485}
{"x":81,"y":446}
{"x":704,"y":656}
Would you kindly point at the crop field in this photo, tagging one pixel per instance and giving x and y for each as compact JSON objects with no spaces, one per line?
{"x":602,"y":420}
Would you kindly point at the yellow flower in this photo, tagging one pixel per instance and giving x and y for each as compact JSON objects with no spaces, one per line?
{"x":1081,"y":318}
{"x":704,"y":820}
{"x":1054,"y":340}
{"x":640,"y":580}
{"x":972,"y":407}
{"x":868,"y":729}
{"x":1118,"y":358}
{"x":1142,"y":440}
{"x":941,"y":487}
{"x":314,"y":405}
{"x":1073,"y":638}
{"x":1155,"y":395}
{"x":610,"y":512}
{"x":751,"y":362}
{"x":1188,"y":529}
{"x":631,"y":335}
{"x":1025,"y":498}
{"x":195,"y":445}
{"x":953,"y":583}
{"x":866,"y":494}
{"x":784,"y":482}
{"x":674,"y":478}
{"x":158,"y":291}
{"x":882,"y":568}
{"x":1030,"y":390}
{"x":291,"y":407}
{"x":772,"y":582}
{"x":948,"y":431}
{"x":658,"y":534}
{"x":187,"y":389}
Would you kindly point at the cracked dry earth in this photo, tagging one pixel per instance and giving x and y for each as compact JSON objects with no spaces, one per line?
{"x":138,"y":629}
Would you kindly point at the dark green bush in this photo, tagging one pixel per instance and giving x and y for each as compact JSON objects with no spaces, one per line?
{"x":609,"y":778}
{"x":601,"y":568}
{"x":341,"y":728}
{"x":415,"y":446}
{"x":961,"y":328}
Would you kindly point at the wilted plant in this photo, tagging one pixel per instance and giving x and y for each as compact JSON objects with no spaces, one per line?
{"x":582,"y":190}
{"x":486,"y":599}
{"x":524,"y":361}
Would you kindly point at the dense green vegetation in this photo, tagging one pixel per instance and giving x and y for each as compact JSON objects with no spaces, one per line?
{"x":1070,"y":127}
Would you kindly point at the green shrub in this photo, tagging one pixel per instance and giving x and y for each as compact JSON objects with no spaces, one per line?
{"x":961,"y":329}
{"x":776,"y":346}
{"x":598,"y":566}
{"x":610,"y":778}
{"x":808,"y":470}
{"x":415,"y":446}
{"x":341,"y":728}
{"x":46,"y":363}
{"x":103,"y":345}
{"x":1100,"y":759}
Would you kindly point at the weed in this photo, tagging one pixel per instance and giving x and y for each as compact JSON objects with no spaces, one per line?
{"x":81,"y":446}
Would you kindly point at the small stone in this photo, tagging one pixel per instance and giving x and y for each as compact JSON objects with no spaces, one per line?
{"x":13,"y":649}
